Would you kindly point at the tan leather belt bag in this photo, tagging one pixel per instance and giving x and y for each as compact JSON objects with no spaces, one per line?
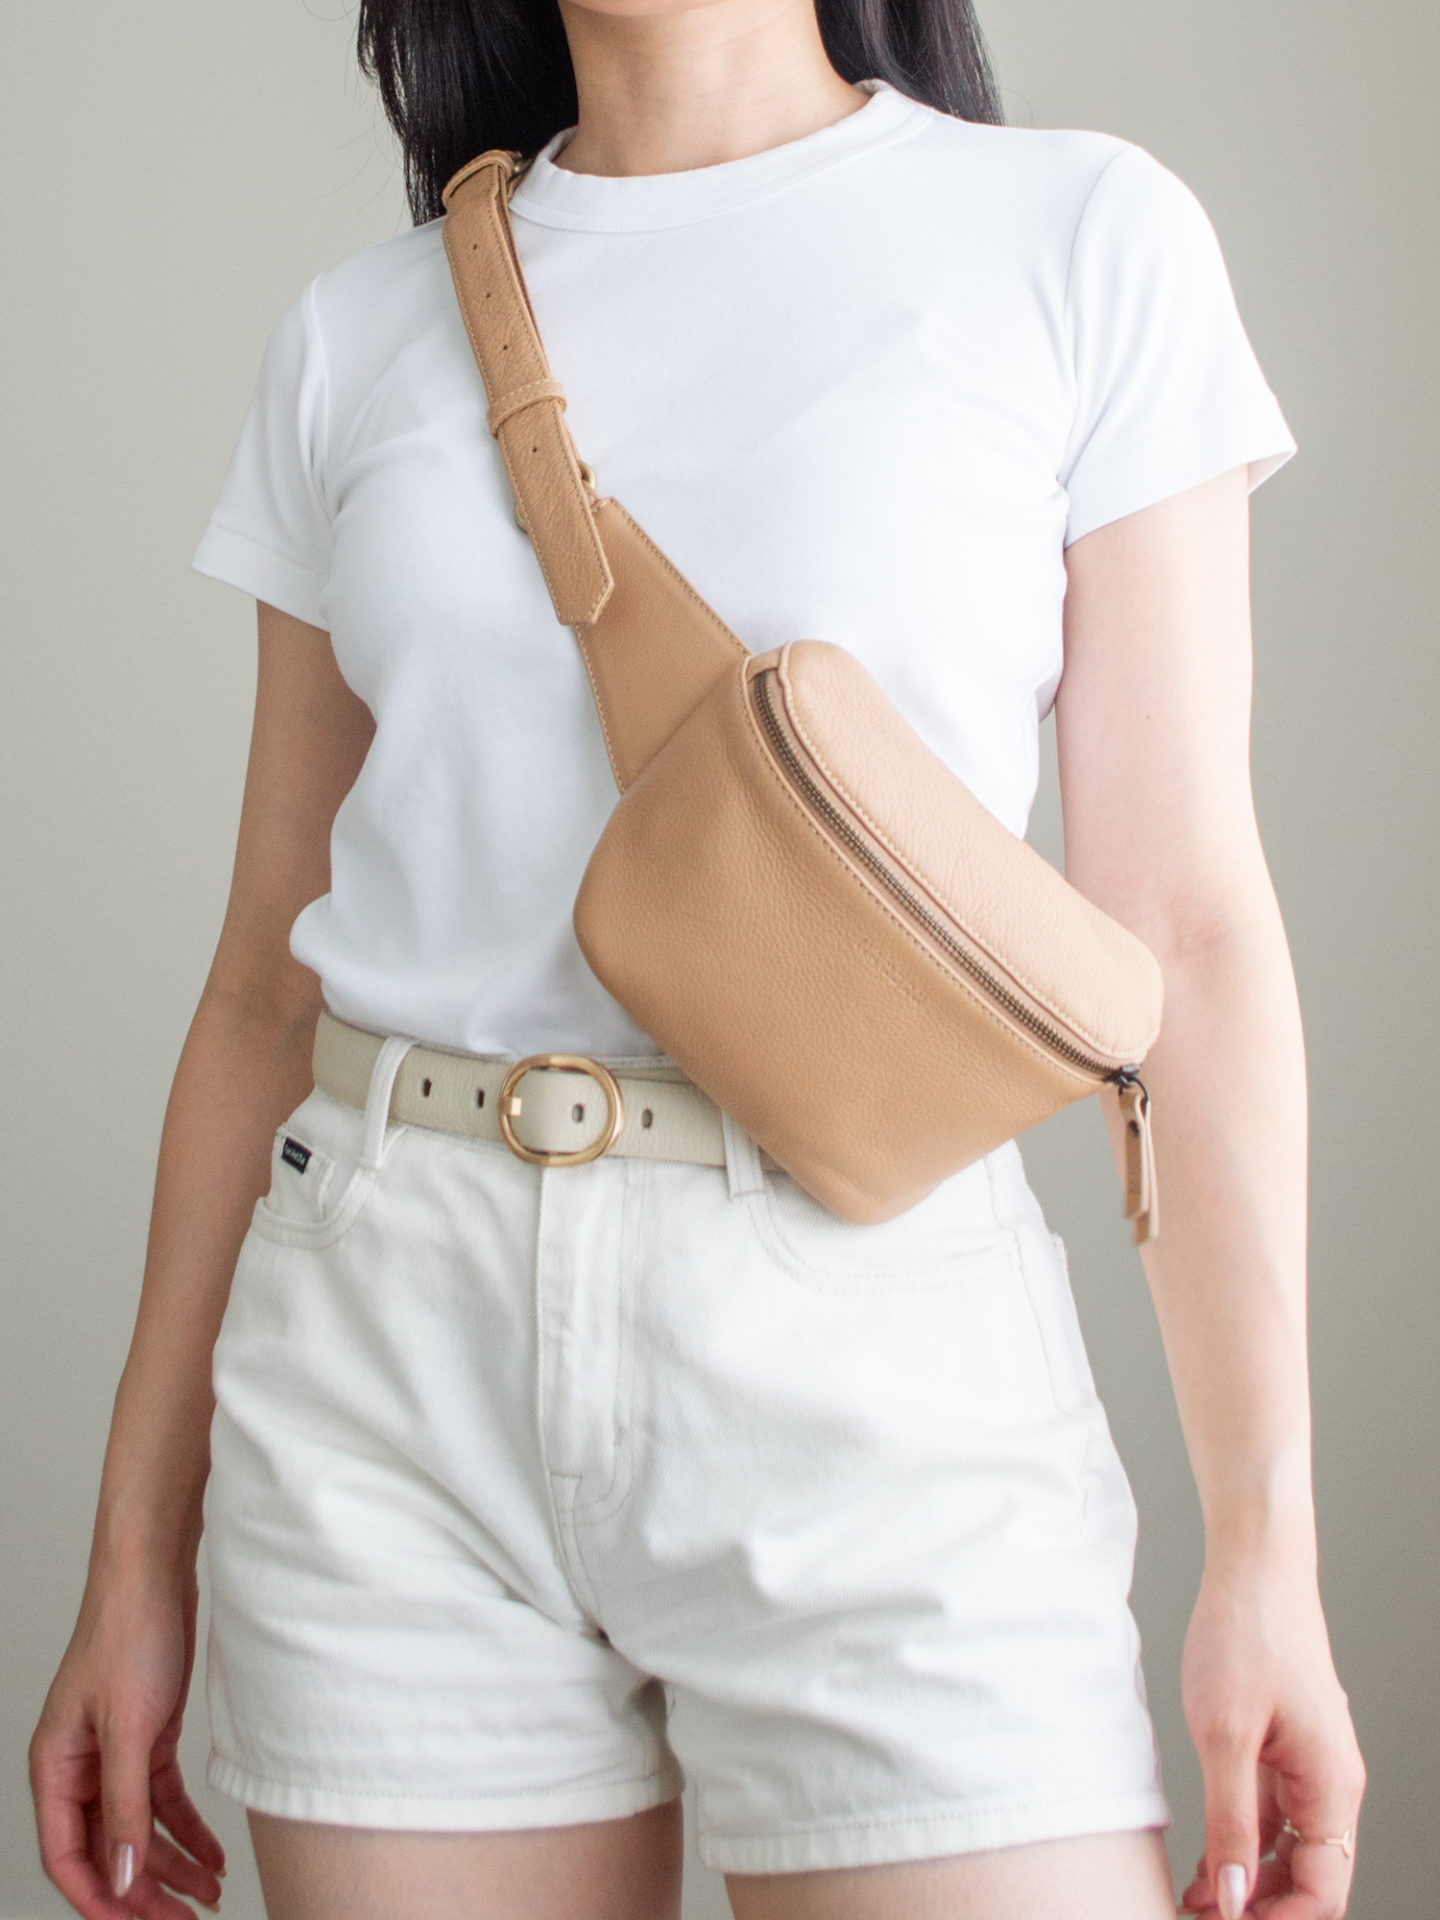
{"x":794,"y":896}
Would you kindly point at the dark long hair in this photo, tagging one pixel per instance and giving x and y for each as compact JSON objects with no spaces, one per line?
{"x":459,"y":76}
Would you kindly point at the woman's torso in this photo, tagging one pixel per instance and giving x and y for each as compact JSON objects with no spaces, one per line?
{"x":836,"y":382}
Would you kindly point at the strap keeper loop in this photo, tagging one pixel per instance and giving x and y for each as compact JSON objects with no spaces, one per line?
{"x":505,"y":158}
{"x":519,"y":398}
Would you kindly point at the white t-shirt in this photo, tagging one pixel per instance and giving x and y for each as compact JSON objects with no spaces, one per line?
{"x":862,"y":387}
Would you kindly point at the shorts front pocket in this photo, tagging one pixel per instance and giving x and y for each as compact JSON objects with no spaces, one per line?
{"x":951,"y":1235}
{"x":318,"y":1184}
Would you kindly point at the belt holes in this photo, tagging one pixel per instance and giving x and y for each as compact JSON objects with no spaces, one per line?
{"x":647,"y":1118}
{"x":425,"y":1089}
{"x":479,"y":1096}
{"x":577,"y":1112}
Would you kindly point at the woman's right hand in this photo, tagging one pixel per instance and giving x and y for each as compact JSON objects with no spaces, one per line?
{"x":103,"y":1759}
{"x":103,"y":1766}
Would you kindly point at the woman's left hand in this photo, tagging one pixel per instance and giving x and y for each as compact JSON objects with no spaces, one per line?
{"x":1272,"y":1727}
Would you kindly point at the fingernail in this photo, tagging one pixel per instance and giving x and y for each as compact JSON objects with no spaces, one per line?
{"x":219,"y":1873}
{"x":1233,"y":1886}
{"x":122,"y":1869}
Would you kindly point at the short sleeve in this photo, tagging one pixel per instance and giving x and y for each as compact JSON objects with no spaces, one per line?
{"x":1169,"y":392}
{"x":270,"y":533}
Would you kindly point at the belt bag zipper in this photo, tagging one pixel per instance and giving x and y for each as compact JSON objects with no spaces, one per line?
{"x":833,"y":815}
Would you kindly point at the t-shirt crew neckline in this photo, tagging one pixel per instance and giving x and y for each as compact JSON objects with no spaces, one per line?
{"x":555,"y":197}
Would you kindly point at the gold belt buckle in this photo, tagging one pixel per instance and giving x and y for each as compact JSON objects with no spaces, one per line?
{"x":509,"y":1107}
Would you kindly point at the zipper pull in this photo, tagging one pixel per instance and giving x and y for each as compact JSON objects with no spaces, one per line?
{"x":1141,"y":1200}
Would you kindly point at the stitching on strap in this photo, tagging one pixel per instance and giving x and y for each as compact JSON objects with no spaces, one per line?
{"x":519,"y":398}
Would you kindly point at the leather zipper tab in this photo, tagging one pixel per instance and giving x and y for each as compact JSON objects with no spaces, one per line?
{"x":1141,"y":1208}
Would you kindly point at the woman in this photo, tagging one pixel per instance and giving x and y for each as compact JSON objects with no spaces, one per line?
{"x":534,"y":1490}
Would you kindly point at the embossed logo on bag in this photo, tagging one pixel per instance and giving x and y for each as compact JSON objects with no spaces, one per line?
{"x":294,"y":1155}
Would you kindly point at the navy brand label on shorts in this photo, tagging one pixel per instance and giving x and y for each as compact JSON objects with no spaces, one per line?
{"x":294,"y":1155}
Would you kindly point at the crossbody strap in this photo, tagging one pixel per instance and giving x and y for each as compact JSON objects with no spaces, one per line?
{"x":526,"y":405}
{"x":652,"y":646}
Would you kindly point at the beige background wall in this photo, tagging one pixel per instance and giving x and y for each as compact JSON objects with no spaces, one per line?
{"x":174,"y":174}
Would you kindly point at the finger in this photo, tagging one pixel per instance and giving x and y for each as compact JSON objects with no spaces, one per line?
{"x":83,"y":1881}
{"x":1232,"y":1827}
{"x":1200,"y":1899}
{"x":178,"y":1814}
{"x":63,"y":1783}
{"x":1316,"y":1884}
{"x":1322,"y":1798}
{"x":1199,"y":1893}
{"x":1289,"y":1903}
{"x":139,"y":1898}
{"x":1270,"y":1878}
{"x":1268,"y":1796}
{"x":148,"y":1900}
{"x":167,"y":1866}
{"x":125,"y":1742}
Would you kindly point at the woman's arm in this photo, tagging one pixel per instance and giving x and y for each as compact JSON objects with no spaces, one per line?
{"x":108,"y":1732}
{"x":1152,"y":719}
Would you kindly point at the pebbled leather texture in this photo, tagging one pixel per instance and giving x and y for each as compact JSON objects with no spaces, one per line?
{"x":767,"y":941}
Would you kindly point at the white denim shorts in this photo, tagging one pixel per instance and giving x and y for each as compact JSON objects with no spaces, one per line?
{"x":539,"y":1491}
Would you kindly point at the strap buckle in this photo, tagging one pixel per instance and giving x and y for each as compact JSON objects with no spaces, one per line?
{"x":509,"y":1104}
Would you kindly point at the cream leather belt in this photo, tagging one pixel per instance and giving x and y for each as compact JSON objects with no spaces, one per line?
{"x":553,"y":1109}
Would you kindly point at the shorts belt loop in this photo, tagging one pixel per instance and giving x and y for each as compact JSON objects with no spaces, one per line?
{"x":377,"y":1101}
{"x":742,"y":1159}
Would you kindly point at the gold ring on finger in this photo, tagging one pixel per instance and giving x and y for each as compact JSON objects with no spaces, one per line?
{"x":1345,"y":1841}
